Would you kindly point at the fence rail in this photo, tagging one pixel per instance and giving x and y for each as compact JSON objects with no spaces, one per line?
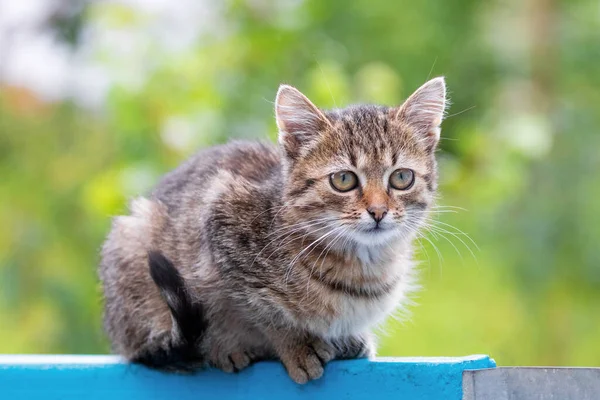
{"x":108,"y":377}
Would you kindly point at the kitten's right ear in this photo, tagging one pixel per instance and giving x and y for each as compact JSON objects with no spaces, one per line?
{"x":300,"y":122}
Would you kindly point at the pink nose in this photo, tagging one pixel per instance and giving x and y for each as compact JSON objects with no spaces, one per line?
{"x":377,"y":212}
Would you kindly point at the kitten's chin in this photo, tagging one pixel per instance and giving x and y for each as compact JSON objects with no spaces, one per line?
{"x":375,"y":237}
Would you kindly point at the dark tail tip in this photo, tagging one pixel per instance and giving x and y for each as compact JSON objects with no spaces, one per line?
{"x":188,"y":314}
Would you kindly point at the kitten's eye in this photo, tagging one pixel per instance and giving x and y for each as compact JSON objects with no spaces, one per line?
{"x":402,"y":179}
{"x":343,"y":181}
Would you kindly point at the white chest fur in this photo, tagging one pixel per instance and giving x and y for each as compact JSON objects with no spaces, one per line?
{"x":357,"y":314}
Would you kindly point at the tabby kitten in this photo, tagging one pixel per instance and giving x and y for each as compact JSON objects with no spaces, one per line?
{"x":250,"y":251}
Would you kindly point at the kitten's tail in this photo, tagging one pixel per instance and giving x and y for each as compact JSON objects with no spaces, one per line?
{"x":187,"y":314}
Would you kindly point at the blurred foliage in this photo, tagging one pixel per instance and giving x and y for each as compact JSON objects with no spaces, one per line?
{"x":520,"y":154}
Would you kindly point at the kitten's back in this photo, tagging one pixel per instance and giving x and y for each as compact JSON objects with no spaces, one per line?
{"x":252,"y":161}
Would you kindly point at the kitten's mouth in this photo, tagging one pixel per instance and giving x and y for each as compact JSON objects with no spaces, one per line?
{"x":375,"y":235}
{"x":376,"y":229}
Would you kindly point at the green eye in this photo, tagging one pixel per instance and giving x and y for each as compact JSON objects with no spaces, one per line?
{"x":343,"y":181}
{"x":402,"y":179}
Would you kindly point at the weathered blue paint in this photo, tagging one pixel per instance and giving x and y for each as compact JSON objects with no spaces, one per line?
{"x":106,"y":377}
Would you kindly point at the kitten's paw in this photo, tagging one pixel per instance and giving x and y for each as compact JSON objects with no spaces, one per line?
{"x":306,"y":362}
{"x":324,"y":350}
{"x":231,"y":362}
{"x":355,"y":347}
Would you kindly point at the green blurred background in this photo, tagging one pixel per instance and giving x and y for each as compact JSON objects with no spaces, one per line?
{"x":98,"y":99}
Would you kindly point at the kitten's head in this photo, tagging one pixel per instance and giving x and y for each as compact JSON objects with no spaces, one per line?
{"x":363,"y":174}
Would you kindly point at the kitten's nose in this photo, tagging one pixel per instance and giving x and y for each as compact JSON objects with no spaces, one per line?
{"x":377,"y":212}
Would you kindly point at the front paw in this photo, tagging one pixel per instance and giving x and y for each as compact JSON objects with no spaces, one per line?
{"x":234,"y":361}
{"x":305,"y":361}
{"x":354,"y":347}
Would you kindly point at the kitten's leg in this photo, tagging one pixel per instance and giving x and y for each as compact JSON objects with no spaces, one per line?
{"x":357,"y":346}
{"x":231,"y":344}
{"x":303,"y":356}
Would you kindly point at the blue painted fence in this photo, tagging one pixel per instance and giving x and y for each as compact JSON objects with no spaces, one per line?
{"x":107,"y":377}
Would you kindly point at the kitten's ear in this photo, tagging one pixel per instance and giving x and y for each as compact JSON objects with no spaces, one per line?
{"x":424,"y":110}
{"x":299,"y":121}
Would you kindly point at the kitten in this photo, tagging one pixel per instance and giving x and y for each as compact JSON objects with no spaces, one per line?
{"x":250,"y":251}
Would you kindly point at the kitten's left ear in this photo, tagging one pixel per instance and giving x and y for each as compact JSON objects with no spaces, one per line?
{"x":300,"y":122}
{"x":424,"y":110}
